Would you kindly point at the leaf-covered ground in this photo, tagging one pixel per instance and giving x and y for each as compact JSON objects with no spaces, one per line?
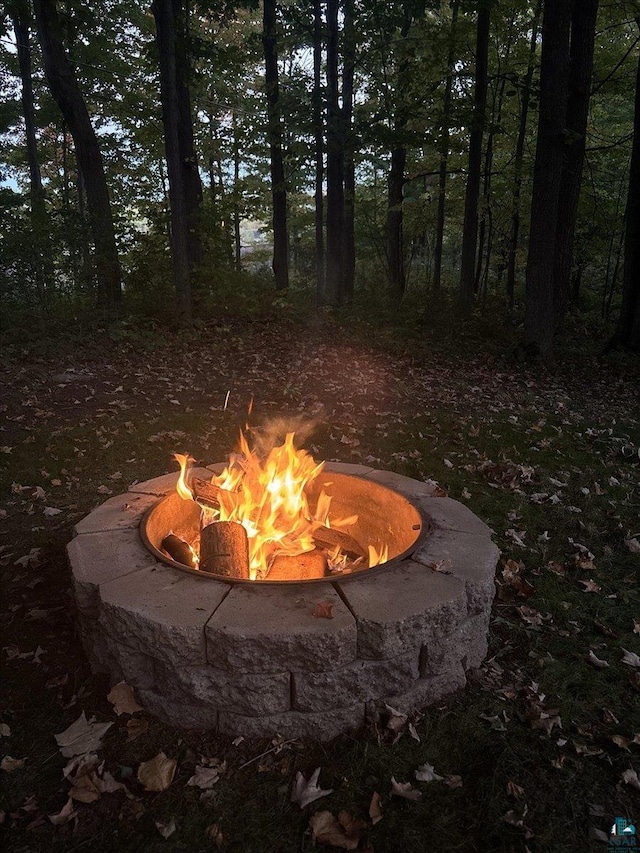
{"x":540,"y":752}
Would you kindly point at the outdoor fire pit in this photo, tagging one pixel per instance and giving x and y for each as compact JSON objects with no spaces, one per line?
{"x":309,"y":652}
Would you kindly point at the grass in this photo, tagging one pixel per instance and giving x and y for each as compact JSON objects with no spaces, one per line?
{"x":405,"y":395}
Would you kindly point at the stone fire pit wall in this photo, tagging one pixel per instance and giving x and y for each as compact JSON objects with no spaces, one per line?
{"x":253,"y":660}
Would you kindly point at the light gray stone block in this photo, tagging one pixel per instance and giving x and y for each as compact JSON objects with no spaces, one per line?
{"x":162,"y":611}
{"x":423,"y":692}
{"x":183,"y":715}
{"x":167,"y":482}
{"x":98,"y":558}
{"x":447,"y":514}
{"x":349,"y":468}
{"x":270,"y":628}
{"x":118,"y":513}
{"x":322,"y":726}
{"x":358,"y":681}
{"x":470,"y":557}
{"x":466,"y":646}
{"x":398,"y":609}
{"x":405,"y":485}
{"x":253,"y":695}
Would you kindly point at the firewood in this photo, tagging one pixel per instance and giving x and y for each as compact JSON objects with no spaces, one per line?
{"x":224,"y":550}
{"x":178,"y":550}
{"x":206,"y":493}
{"x":302,"y":567}
{"x":329,"y":539}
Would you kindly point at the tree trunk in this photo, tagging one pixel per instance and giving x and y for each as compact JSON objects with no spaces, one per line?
{"x":348,"y":142}
{"x":278,"y":186}
{"x":470,"y":226}
{"x":444,"y":153}
{"x":547,"y":173}
{"x":66,"y":92}
{"x":518,"y":158}
{"x":319,"y":150}
{"x":335,"y":168}
{"x":39,"y":219}
{"x":395,"y":248}
{"x":185,"y":187}
{"x":236,"y":195}
{"x":628,"y":333}
{"x":583,"y":27}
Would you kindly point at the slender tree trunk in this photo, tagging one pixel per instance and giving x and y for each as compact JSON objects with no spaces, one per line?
{"x":395,"y":247}
{"x":444,"y":153}
{"x":278,"y":185}
{"x":66,"y":92}
{"x":583,"y":27}
{"x":348,"y":141}
{"x":518,"y":159}
{"x":178,"y":142}
{"x":628,"y":332}
{"x":236,"y":193}
{"x":39,"y":218}
{"x":547,"y":173}
{"x":335,"y":168}
{"x":319,"y":150}
{"x":470,"y":226}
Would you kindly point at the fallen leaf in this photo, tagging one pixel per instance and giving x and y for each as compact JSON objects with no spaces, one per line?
{"x":122,"y":698}
{"x":82,"y":736}
{"x":413,"y":732}
{"x":375,"y":808}
{"x":453,"y":781}
{"x":157,"y":773}
{"x":630,"y":777}
{"x":136,"y":727}
{"x":633,"y":545}
{"x":425,"y":773}
{"x":594,"y":660}
{"x":404,"y":790}
{"x":631,"y":658}
{"x":166,"y":829}
{"x":590,"y":586}
{"x":215,"y":834}
{"x":514,"y":790}
{"x":5,"y":731}
{"x":323,"y":610}
{"x":204,"y":777}
{"x":397,"y":720}
{"x":517,"y":820}
{"x":51,"y":510}
{"x":304,"y":792}
{"x":529,"y":615}
{"x":328,"y":830}
{"x":622,"y":742}
{"x":65,"y":814}
{"x":603,"y":629}
{"x":9,"y":764}
{"x":636,"y":626}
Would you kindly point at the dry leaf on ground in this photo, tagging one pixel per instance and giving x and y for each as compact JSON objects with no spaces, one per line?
{"x":425,"y":773}
{"x":5,"y":731}
{"x":204,"y":777}
{"x":82,"y":736}
{"x":631,"y":658}
{"x":122,"y":698}
{"x":375,"y":808}
{"x":404,"y":790}
{"x":9,"y":764}
{"x":323,"y":610}
{"x":453,"y":781}
{"x":166,"y":829}
{"x":514,"y":790}
{"x":136,"y":727}
{"x":157,"y":773}
{"x":303,"y":792}
{"x":630,"y":777}
{"x":633,"y":545}
{"x":65,"y":814}
{"x":594,"y":660}
{"x":329,"y":830}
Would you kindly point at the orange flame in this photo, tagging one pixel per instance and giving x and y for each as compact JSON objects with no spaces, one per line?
{"x":182,"y":487}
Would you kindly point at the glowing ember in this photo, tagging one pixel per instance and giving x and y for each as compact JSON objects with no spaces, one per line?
{"x":267,"y":496}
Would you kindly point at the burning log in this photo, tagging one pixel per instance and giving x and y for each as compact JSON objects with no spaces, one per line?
{"x":178,"y":550}
{"x":206,"y":493}
{"x":330,"y":539}
{"x":224,"y":550}
{"x":302,"y":567}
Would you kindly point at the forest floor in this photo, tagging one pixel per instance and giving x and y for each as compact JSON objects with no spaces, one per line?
{"x":546,"y":738}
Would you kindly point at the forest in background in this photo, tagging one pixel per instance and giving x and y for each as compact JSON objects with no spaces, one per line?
{"x":467,"y":153}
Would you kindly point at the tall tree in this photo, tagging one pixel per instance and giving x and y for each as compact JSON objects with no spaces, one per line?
{"x":444,"y":151}
{"x":470,"y":226}
{"x":349,"y":255}
{"x":518,"y":158}
{"x":583,"y":28}
{"x":547,"y":174}
{"x":20,"y":15}
{"x":334,"y":288}
{"x":628,"y":332}
{"x":278,"y":184}
{"x":66,"y":92}
{"x":318,"y":134}
{"x":185,"y":188}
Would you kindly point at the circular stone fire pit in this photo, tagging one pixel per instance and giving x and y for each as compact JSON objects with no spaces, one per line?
{"x":258,"y":659}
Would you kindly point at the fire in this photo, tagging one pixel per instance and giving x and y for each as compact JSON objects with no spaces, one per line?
{"x":266,"y":494}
